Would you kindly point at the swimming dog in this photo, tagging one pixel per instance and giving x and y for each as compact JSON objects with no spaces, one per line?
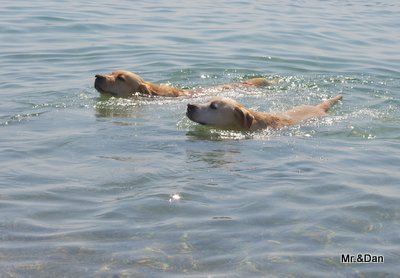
{"x":228,"y":113}
{"x":125,"y":84}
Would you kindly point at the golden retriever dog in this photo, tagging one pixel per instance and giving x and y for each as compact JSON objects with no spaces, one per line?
{"x":228,"y":113}
{"x":125,"y":84}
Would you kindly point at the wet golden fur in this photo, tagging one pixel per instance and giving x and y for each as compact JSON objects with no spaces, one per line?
{"x":228,"y":113}
{"x":125,"y":84}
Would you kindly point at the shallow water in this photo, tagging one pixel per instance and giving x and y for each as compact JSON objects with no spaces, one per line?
{"x":89,"y":186}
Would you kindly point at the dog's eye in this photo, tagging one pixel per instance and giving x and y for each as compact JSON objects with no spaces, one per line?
{"x":213,"y":105}
{"x":121,"y":77}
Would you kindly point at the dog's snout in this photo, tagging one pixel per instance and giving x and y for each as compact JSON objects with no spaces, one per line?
{"x":191,"y":111}
{"x":191,"y":108}
{"x":99,"y":82}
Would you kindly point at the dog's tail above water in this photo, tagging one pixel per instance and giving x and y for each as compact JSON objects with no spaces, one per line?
{"x":329,"y":103}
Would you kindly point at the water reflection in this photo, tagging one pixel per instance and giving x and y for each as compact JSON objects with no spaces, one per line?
{"x":117,"y":107}
{"x":216,"y":158}
{"x":214,"y":134}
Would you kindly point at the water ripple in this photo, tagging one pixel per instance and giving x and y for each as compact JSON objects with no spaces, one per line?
{"x":89,"y":183}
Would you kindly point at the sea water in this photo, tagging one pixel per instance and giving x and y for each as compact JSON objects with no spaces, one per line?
{"x":95,"y":187}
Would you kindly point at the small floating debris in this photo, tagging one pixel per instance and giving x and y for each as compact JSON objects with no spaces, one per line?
{"x":175,"y":197}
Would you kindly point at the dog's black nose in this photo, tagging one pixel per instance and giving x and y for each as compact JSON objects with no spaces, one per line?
{"x":98,"y":82}
{"x":191,"y":108}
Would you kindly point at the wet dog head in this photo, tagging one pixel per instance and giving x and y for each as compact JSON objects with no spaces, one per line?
{"x":221,"y":112}
{"x":120,"y":83}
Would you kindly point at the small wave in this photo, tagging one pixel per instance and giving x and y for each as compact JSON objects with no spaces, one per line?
{"x":17,"y":118}
{"x":308,"y":129}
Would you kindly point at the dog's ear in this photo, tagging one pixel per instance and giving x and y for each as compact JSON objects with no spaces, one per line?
{"x":146,"y":90}
{"x":245,"y":119}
